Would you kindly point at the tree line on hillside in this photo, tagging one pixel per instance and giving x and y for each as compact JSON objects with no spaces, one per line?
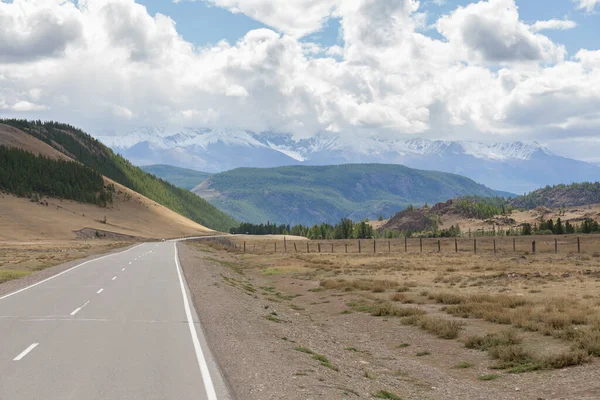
{"x":482,"y":207}
{"x":551,"y":227}
{"x":89,"y":151}
{"x":27,"y":175}
{"x":345,"y":229}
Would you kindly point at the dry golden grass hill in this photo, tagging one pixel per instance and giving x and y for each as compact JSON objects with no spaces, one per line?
{"x":53,"y":219}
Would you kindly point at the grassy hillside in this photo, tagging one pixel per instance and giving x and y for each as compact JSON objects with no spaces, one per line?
{"x":180,"y":177}
{"x":89,"y":151}
{"x":577,"y":194}
{"x":308,"y":195}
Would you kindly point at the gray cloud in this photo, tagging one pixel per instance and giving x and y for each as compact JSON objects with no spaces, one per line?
{"x":39,"y":34}
{"x":493,"y":46}
{"x":492,"y":32}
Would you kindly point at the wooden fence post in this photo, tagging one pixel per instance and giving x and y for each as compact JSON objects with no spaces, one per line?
{"x":374,"y":246}
{"x":494,"y":246}
{"x":295,"y":248}
{"x":275,"y":247}
{"x":439,"y":246}
{"x":578,"y":245}
{"x":533,"y":247}
{"x":514,"y":244}
{"x":359,"y":249}
{"x":319,"y":247}
{"x":331,"y":248}
{"x":346,"y":246}
{"x":244,"y":246}
{"x":389,"y":246}
{"x":307,"y":248}
{"x":555,"y":246}
{"x":455,"y":245}
{"x":474,"y":246}
{"x":284,"y":245}
{"x":405,"y":244}
{"x":421,"y":244}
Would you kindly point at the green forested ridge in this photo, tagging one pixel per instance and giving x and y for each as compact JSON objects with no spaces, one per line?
{"x":25,"y":174}
{"x":180,"y":177}
{"x":89,"y":151}
{"x":308,"y":194}
{"x":576,"y":194}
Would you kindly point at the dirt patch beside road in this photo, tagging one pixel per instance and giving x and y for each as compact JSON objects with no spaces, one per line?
{"x":278,"y":333}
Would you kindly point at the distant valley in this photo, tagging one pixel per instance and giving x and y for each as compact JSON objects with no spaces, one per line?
{"x":181,"y":177}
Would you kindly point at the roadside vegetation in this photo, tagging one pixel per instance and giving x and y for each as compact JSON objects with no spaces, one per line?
{"x":456,"y":297}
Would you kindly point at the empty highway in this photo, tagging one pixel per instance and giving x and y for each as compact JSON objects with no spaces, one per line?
{"x":121,"y":326}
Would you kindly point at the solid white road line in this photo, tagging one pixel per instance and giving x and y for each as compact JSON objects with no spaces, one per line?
{"x":25,"y":352}
{"x":123,"y":269}
{"x":129,"y":263}
{"x":64,"y":272}
{"x":114,"y":277}
{"x":204,"y":371}
{"x":100,"y":291}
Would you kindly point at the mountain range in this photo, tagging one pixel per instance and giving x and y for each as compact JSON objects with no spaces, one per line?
{"x":514,"y":167}
{"x":311,"y":195}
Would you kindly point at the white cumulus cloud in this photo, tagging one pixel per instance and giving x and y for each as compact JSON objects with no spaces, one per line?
{"x":109,"y":64}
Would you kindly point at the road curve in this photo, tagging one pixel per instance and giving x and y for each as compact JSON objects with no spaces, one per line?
{"x":121,"y":326}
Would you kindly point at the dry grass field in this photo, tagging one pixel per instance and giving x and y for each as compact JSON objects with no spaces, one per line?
{"x":18,"y":260}
{"x":483,"y":317}
{"x":130,"y":214}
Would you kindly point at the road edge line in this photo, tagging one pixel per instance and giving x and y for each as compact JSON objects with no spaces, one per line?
{"x":68,"y":270}
{"x":204,"y":370}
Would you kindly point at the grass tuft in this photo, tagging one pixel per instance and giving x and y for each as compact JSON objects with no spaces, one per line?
{"x":382,"y":394}
{"x":463,"y":365}
{"x":488,"y":377}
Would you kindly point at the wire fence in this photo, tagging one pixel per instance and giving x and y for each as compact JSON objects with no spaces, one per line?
{"x":481,"y":245}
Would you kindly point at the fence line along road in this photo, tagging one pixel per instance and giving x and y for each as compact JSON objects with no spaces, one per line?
{"x":563,"y":244}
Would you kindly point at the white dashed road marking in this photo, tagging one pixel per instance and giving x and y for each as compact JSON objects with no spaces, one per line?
{"x":75,"y":311}
{"x":25,"y":352}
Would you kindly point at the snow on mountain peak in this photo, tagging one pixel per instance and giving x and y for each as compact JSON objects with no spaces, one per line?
{"x":301,"y":150}
{"x":503,"y":151}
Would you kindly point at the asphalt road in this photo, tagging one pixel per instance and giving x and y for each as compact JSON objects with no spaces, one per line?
{"x":118,"y":327}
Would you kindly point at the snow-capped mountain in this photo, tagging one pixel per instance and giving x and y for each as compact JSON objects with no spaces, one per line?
{"x":515,"y":167}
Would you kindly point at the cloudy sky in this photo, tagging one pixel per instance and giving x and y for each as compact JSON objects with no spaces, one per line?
{"x":495,"y":70}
